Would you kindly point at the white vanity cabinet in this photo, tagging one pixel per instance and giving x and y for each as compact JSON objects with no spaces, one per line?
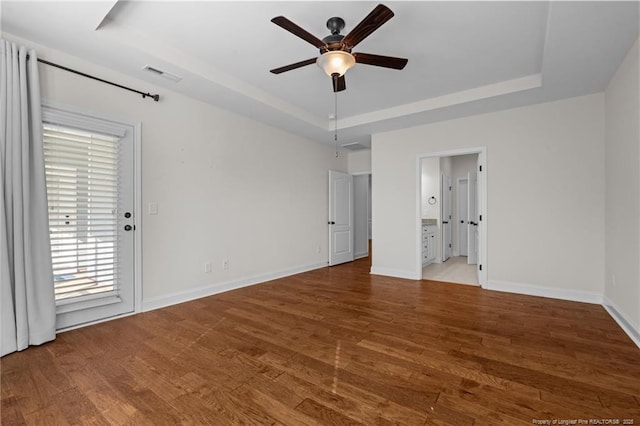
{"x":428,"y":244}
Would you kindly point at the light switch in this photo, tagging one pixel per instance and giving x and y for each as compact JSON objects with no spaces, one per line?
{"x":153,"y":208}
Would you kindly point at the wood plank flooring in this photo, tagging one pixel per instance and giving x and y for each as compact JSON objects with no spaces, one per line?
{"x":335,"y":346}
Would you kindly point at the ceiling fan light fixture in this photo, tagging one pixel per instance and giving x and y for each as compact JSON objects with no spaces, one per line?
{"x":336,"y":62}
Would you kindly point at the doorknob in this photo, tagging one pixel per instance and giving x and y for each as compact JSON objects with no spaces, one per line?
{"x":331,"y":222}
{"x":128,"y":228}
{"x":127,"y":215}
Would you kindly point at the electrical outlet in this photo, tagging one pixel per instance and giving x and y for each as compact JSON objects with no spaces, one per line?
{"x":207,"y":267}
{"x":225,"y":264}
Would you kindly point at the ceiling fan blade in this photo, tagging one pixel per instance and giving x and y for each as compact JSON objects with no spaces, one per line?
{"x":339,"y":83}
{"x":380,"y":61}
{"x":294,"y":66}
{"x":372,"y":22}
{"x":298,"y":31}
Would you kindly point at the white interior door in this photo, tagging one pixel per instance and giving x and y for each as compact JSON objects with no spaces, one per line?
{"x":90,"y":188}
{"x":341,"y":215}
{"x":462,"y":216}
{"x":472,"y":221}
{"x":478,"y":219}
{"x":446,"y":217}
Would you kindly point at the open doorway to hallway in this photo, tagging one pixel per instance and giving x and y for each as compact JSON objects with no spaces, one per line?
{"x":362,"y":214}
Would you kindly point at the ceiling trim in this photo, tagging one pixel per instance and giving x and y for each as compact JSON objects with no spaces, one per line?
{"x":529,"y":82}
{"x":107,"y":7}
{"x":194,"y":66}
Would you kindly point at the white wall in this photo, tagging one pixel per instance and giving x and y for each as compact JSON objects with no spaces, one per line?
{"x":446,"y":169}
{"x":227,"y":187}
{"x":622,"y":157}
{"x":359,"y":161}
{"x":545,"y":179}
{"x":430,"y":188}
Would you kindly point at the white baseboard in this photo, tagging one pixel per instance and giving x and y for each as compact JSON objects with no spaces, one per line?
{"x":554,"y":293}
{"x":627,"y":325}
{"x":220,"y":287}
{"x":360,"y":255}
{"x":397,"y":273}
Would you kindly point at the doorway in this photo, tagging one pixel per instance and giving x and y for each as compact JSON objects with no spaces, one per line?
{"x":362,"y":214}
{"x":93,"y":180}
{"x":464,"y":171}
{"x":349,"y":216}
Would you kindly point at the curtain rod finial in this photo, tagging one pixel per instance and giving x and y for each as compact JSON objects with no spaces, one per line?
{"x":154,"y":97}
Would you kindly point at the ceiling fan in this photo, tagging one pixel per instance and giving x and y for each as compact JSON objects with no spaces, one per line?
{"x":335,"y":49}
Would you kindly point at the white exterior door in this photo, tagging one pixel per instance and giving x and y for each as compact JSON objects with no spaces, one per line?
{"x":89,"y":166}
{"x":462,"y":216}
{"x":472,"y":221}
{"x":446,"y":217}
{"x":341,"y":204}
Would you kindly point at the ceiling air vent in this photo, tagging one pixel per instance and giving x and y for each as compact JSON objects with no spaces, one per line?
{"x":354,"y":146}
{"x":161,"y":73}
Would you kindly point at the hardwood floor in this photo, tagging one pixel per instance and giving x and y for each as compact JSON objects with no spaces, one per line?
{"x":335,"y":346}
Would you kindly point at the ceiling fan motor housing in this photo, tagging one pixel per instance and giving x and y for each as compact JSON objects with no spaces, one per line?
{"x":334,"y":40}
{"x":335,"y":25}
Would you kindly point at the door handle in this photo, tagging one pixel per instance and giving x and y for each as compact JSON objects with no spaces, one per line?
{"x":444,"y":221}
{"x":128,"y":227}
{"x":331,"y":222}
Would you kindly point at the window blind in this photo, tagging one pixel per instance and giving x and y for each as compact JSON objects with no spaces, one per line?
{"x":82,"y":187}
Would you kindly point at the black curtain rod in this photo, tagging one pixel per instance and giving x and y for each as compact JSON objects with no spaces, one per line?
{"x":144,"y":95}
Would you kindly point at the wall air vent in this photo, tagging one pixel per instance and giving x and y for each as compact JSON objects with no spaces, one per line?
{"x":354,"y":146}
{"x":163,"y":74}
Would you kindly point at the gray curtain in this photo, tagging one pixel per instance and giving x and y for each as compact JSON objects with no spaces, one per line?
{"x":27,"y":302}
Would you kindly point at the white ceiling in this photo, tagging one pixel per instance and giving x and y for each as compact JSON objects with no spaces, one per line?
{"x":464,"y":57}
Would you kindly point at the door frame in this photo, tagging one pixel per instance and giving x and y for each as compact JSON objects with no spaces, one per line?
{"x":136,"y":132}
{"x":482,"y":206}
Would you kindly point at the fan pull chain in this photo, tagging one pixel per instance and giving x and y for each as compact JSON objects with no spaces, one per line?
{"x":335,"y":121}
